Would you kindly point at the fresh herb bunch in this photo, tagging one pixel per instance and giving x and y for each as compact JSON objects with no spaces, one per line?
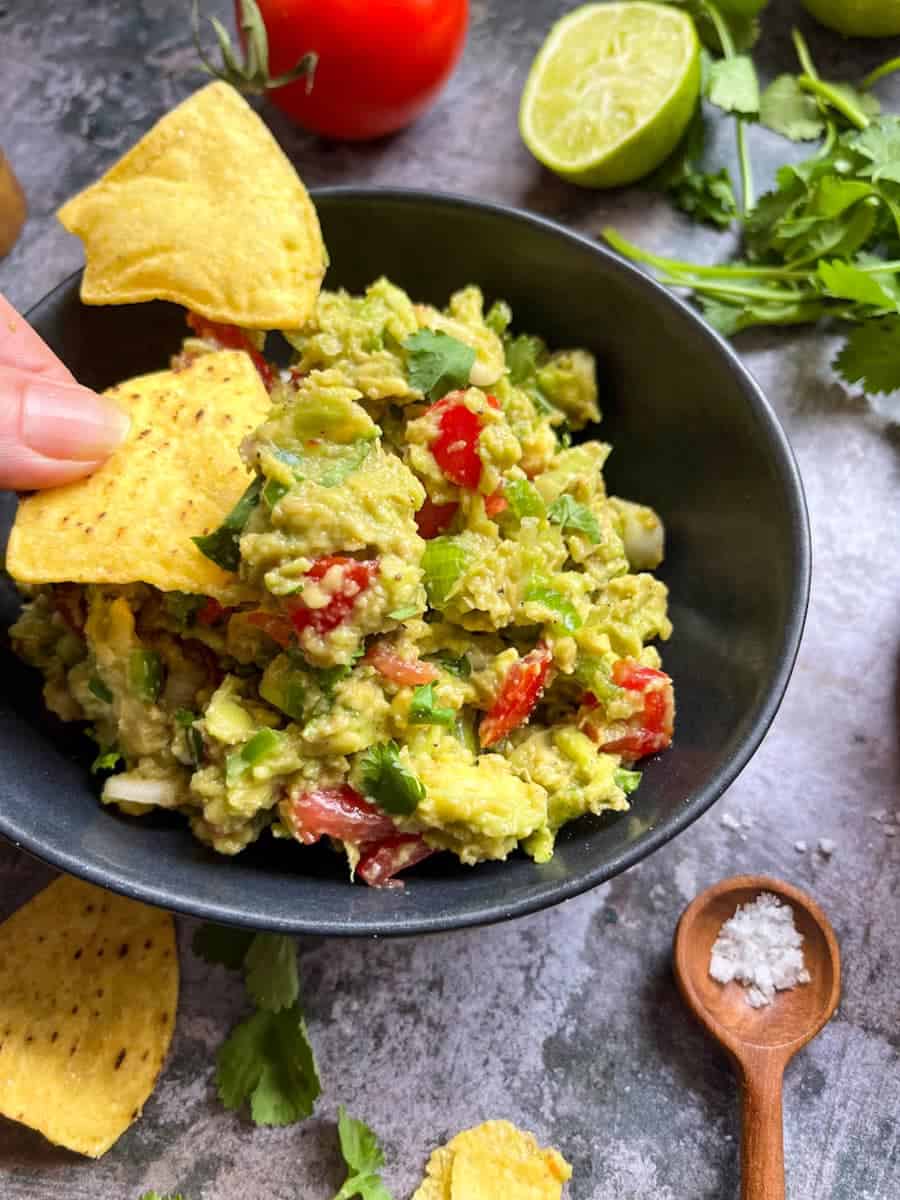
{"x":825,"y":242}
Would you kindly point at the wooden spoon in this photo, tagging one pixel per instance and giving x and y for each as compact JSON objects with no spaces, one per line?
{"x":759,"y":1041}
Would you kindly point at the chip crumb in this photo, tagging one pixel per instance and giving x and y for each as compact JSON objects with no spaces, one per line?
{"x":494,"y":1161}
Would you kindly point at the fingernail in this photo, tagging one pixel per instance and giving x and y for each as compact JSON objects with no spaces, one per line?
{"x":71,"y":422}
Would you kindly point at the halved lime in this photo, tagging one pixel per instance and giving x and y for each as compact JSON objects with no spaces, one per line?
{"x":857,"y":18}
{"x":611,"y":91}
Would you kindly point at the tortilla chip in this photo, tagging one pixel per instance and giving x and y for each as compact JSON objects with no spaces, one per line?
{"x":494,"y":1160}
{"x":177,"y":476}
{"x":206,"y":211}
{"x":88,"y":993}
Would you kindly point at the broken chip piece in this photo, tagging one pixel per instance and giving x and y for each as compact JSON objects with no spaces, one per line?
{"x":494,"y":1160}
{"x":88,"y":993}
{"x":205,"y":211}
{"x":177,"y":475}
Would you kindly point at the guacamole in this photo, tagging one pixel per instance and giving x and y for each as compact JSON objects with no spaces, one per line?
{"x":446,"y":644}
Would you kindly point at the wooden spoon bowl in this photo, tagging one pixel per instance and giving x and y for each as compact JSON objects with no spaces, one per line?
{"x":760,"y":1041}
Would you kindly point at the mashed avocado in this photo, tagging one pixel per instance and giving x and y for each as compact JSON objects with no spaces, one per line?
{"x":448,"y":646}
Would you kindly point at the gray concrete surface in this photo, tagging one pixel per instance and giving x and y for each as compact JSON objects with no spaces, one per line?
{"x":566,"y":1022}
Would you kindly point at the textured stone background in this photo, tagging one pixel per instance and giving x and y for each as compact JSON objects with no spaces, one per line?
{"x":566,"y":1022}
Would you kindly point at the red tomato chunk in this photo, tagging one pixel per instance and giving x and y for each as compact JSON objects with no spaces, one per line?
{"x":651,"y":729}
{"x":230,"y":337}
{"x":353,"y":576}
{"x":400,"y":670}
{"x":338,"y":812}
{"x":520,"y":691}
{"x":379,"y":864}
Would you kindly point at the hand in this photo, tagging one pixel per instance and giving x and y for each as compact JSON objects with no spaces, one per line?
{"x":52,"y":430}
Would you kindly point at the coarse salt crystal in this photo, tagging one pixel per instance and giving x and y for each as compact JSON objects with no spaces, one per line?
{"x":761,"y":948}
{"x":801,"y":847}
{"x":730,"y":822}
{"x":826,"y":847}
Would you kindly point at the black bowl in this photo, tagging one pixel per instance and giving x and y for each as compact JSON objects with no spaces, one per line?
{"x":692,"y":435}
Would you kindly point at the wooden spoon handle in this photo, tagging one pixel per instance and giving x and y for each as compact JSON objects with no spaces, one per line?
{"x":762,"y":1139}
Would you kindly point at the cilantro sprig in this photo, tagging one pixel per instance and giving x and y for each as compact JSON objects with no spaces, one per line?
{"x":437,"y":363}
{"x":267,"y":1060}
{"x":364,"y":1158}
{"x":388,"y":781}
{"x":824,"y":242}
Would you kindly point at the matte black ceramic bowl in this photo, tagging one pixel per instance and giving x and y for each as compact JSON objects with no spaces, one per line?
{"x":692,"y":435}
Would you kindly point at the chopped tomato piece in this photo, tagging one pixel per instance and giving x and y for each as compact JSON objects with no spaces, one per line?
{"x":650,"y":730}
{"x":455,"y":448}
{"x":520,"y":691}
{"x":278,"y":628}
{"x":433,"y":519}
{"x":496,"y":503}
{"x":400,"y":670}
{"x":379,"y":864}
{"x":231,"y":337}
{"x":338,"y":812}
{"x":211,"y":613}
{"x":347,"y":579}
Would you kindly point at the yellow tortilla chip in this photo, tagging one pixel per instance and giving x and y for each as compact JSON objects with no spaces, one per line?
{"x":88,"y":993}
{"x":177,"y":476}
{"x":494,"y":1160}
{"x":206,"y":211}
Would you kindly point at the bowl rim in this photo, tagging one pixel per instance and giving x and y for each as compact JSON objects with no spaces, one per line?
{"x":756,"y":723}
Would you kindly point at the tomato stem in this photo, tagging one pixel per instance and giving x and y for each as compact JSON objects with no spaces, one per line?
{"x":251,"y":75}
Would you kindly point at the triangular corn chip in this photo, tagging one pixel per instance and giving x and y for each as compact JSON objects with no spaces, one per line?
{"x":205,"y":211}
{"x":88,"y":993}
{"x":177,"y":476}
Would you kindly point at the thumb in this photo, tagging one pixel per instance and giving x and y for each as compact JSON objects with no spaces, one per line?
{"x":53,"y":431}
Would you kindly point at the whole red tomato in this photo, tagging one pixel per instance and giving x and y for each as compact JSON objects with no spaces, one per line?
{"x":381,"y":62}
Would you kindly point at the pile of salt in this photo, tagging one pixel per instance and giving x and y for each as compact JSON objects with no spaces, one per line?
{"x":760,"y":947}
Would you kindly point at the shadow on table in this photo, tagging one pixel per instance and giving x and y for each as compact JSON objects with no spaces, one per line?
{"x":698,"y":1066}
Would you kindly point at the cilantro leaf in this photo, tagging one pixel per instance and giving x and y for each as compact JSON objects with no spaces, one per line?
{"x":182,"y":607}
{"x":424,"y":709}
{"x":460,"y":667}
{"x":223,"y":545}
{"x":157,"y":1196}
{"x":222,"y":946}
{"x":387,"y":781}
{"x":568,"y":513}
{"x":871,"y":356}
{"x":848,"y":282}
{"x":785,"y":108}
{"x":880,"y":144}
{"x":268,"y":1061}
{"x":270,"y":971}
{"x":524,"y":499}
{"x":733,"y":85}
{"x":364,"y":1158}
{"x":705,"y":196}
{"x":437,"y":363}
